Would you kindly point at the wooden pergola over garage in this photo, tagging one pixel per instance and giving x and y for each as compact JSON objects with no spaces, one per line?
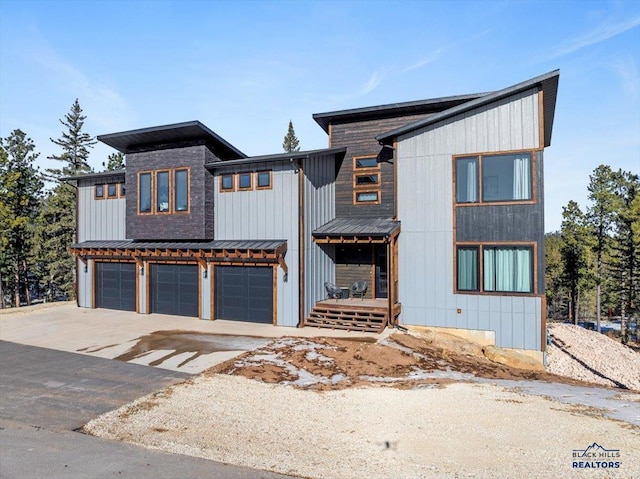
{"x":235,"y":280}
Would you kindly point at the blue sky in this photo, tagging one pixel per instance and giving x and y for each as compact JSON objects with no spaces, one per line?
{"x":245,"y":68}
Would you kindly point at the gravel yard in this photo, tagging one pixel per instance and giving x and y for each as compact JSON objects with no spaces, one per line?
{"x":589,"y":356}
{"x":329,"y":408}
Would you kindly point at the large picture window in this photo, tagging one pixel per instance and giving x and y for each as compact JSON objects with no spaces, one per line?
{"x":494,"y":178}
{"x":164,"y":191}
{"x":499,"y":269}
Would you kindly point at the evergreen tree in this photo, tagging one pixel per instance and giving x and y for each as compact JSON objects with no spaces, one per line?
{"x":601,"y":215}
{"x":291,"y":143}
{"x":115,"y":161}
{"x":575,"y":269}
{"x":75,"y":145}
{"x":555,"y":291}
{"x":20,"y":190}
{"x":626,"y":249}
{"x":57,"y":222}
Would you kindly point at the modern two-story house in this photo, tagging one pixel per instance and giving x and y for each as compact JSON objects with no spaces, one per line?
{"x":437,"y":205}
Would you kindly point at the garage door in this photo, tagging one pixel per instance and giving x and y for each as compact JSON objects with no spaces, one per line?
{"x":244,"y":293}
{"x":116,"y":286}
{"x":174,"y":289}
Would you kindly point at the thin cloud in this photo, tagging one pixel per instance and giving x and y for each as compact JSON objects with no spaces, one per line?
{"x":627,"y":70}
{"x":374,"y":81}
{"x":600,"y":34}
{"x":439,"y":52}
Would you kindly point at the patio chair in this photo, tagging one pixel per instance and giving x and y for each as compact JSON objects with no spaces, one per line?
{"x":333,"y":292}
{"x":359,"y":288}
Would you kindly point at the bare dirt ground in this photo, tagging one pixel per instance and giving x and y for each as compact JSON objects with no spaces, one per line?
{"x":406,"y":407}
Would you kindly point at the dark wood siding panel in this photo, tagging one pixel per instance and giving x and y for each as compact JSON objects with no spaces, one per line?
{"x":359,"y":138}
{"x":192,"y":225}
{"x":209,"y":194}
{"x":354,"y":263}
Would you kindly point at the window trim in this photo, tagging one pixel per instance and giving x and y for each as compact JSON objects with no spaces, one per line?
{"x":481,"y":202}
{"x":366,"y":191}
{"x":360,"y":171}
{"x":115,"y":194}
{"x":172,"y":191}
{"x":151,"y":192}
{"x":233,"y":183}
{"x":250,"y":176}
{"x":169,"y":188}
{"x":95,"y":192}
{"x":481,"y":245}
{"x":270,"y":185}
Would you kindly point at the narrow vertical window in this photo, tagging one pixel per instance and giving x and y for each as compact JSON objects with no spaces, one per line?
{"x":99,"y":193}
{"x":162,"y":191}
{"x":468,"y":269}
{"x":181,"y":182}
{"x":144,"y":193}
{"x":123,"y":190}
{"x":467,"y":180}
{"x":112,"y":190}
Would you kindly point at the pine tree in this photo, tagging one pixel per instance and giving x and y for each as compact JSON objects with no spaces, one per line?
{"x":57,"y":223}
{"x":75,"y":145}
{"x":115,"y":161}
{"x":601,"y":215}
{"x":575,"y":239}
{"x":291,"y":143}
{"x":20,"y":191}
{"x":625,"y":264}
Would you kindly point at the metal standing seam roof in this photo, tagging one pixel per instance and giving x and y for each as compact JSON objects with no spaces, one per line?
{"x":101,"y":174}
{"x":277,"y":157}
{"x":125,"y":141}
{"x":548,"y":82}
{"x":358,"y":227}
{"x":416,"y":107}
{"x":264,"y":245}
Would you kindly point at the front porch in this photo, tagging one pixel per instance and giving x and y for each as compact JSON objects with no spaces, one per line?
{"x":354,"y":314}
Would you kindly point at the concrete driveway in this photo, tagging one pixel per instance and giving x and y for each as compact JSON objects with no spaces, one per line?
{"x":46,"y":394}
{"x":176,"y":343}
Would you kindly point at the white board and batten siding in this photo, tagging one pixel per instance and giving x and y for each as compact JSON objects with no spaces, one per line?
{"x":425,"y":208}
{"x":265,"y":215}
{"x":319,"y":208}
{"x":98,"y":219}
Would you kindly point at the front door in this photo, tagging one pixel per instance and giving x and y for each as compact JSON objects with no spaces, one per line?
{"x":381,"y":271}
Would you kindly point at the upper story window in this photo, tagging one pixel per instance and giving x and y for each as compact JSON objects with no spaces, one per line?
{"x":226,"y":183}
{"x":263,"y":180}
{"x":181,"y":190}
{"x":246,"y":181}
{"x":366,"y":180}
{"x":108,"y":191}
{"x":494,"y":178}
{"x":169,"y":190}
{"x":503,"y":269}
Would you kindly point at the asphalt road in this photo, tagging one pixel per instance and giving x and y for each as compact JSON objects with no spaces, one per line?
{"x":45,"y":395}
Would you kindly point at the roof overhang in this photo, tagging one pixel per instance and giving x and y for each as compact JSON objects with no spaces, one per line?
{"x":547,"y":83}
{"x":227,"y":252}
{"x":357,"y":230}
{"x":159,"y":136}
{"x":429,"y":106}
{"x":297,"y":155}
{"x":102,"y":174}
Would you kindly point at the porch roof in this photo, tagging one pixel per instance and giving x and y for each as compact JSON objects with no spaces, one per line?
{"x":357,"y":230}
{"x":215,"y":245}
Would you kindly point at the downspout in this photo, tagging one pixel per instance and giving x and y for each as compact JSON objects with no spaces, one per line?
{"x":301,"y":238}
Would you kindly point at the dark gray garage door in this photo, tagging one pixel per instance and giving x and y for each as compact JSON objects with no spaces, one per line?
{"x":244,"y":293}
{"x":116,"y":286}
{"x":174,"y":289}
